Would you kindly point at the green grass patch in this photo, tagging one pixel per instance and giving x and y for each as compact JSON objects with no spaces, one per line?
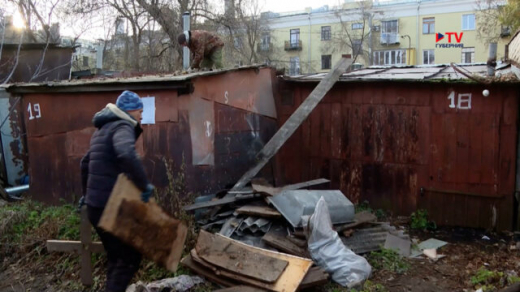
{"x":419,"y":220}
{"x":488,"y":280}
{"x":34,"y":219}
{"x":388,"y":259}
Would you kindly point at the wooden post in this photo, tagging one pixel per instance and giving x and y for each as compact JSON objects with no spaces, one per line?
{"x":85,"y":248}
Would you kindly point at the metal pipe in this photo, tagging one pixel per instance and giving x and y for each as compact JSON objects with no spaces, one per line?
{"x":492,"y":59}
{"x":185,"y":50}
{"x":417,"y":33}
{"x":17,"y":190}
{"x":309,"y":66}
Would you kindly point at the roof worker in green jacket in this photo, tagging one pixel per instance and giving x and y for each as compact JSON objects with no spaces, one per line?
{"x":205,"y":46}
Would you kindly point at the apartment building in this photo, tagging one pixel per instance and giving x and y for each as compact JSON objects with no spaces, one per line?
{"x":387,"y":33}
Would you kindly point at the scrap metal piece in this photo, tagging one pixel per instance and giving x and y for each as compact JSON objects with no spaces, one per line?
{"x":255,"y":224}
{"x":366,"y":240}
{"x":230,"y":226}
{"x":296,"y":203}
{"x":431,"y":243}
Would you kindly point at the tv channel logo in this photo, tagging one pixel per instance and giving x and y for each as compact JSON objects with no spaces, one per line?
{"x":454,"y":40}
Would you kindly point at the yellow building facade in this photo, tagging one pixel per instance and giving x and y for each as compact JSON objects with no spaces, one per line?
{"x":386,"y":33}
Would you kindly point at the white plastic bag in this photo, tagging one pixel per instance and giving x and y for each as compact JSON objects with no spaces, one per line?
{"x":328,"y":251}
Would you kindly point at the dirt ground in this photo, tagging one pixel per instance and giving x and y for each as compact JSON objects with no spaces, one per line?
{"x":33,"y":269}
{"x":465,"y":253}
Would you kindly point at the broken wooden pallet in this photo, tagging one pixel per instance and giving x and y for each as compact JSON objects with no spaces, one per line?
{"x":207,"y":273}
{"x":219,"y":251}
{"x":231,"y":275}
{"x":145,"y":226}
{"x":288,"y":281}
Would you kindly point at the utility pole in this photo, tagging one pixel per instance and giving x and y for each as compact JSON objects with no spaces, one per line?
{"x":185,"y":50}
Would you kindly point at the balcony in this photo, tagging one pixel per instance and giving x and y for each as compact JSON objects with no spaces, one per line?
{"x":389,"y":38}
{"x":293,"y":45}
{"x":264,"y":48}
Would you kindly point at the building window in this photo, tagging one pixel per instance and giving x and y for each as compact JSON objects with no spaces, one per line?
{"x":390,"y":26}
{"x":428,"y":25}
{"x":85,"y":61}
{"x":237,"y":42}
{"x":357,"y":25}
{"x":390,"y":57}
{"x":325,"y":62}
{"x":357,"y":47}
{"x":468,"y":22}
{"x":295,"y":37}
{"x":428,"y":57}
{"x":468,"y":55}
{"x":294,"y":68}
{"x":266,"y":41}
{"x":325,"y":33}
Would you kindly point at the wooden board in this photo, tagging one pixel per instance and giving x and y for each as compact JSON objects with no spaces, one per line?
{"x":233,"y":276}
{"x":240,"y":289}
{"x":259,"y":211}
{"x":294,"y":121}
{"x":225,"y":253}
{"x":285,"y":245}
{"x":70,"y":246}
{"x":316,"y":276}
{"x":294,"y":273}
{"x":359,"y":219}
{"x":273,"y":191}
{"x":145,"y":226}
{"x":207,"y":273}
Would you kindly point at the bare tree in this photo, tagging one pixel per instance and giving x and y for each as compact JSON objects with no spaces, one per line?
{"x":354,"y":31}
{"x":39,"y":17}
{"x":245,"y":31}
{"x":168,"y":14}
{"x":488,"y":17}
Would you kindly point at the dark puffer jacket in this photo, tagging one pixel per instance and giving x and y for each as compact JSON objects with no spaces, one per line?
{"x":112,"y":151}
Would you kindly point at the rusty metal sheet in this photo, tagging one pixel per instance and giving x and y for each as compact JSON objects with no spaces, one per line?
{"x":202,"y":130}
{"x":13,"y":147}
{"x":60,"y":136}
{"x":250,"y":90}
{"x":388,"y":140}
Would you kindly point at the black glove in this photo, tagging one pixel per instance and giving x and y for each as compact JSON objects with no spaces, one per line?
{"x":80,"y":203}
{"x":145,"y":196}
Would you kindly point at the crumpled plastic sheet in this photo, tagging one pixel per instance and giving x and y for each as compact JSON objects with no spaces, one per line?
{"x":181,"y":283}
{"x":328,"y":251}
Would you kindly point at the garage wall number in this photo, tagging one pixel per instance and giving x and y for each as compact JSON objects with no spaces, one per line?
{"x":460,"y":101}
{"x":36,"y":109}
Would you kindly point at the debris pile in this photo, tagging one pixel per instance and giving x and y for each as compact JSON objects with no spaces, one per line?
{"x":286,"y":238}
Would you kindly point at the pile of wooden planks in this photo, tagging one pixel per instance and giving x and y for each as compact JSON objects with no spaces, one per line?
{"x":231,"y":263}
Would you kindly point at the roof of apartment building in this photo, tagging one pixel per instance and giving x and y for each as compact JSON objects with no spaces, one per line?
{"x":423,"y":73}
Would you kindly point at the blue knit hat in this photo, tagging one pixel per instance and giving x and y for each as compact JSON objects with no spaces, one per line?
{"x":129,"y":101}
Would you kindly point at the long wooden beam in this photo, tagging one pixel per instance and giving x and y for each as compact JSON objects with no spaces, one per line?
{"x":294,"y":121}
